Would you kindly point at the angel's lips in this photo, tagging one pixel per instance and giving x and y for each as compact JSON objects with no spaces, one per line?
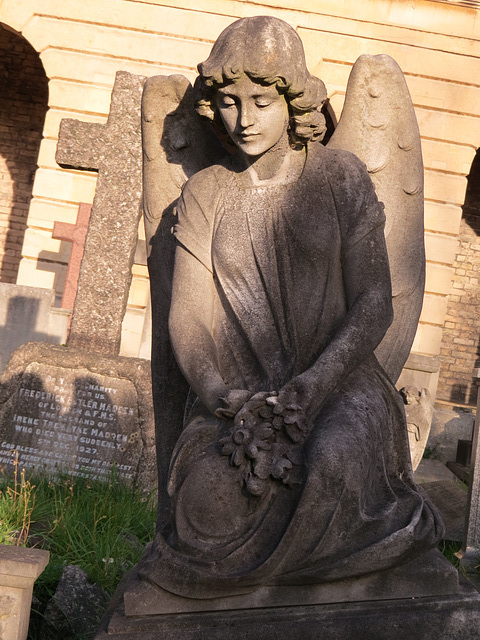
{"x":247,"y":136}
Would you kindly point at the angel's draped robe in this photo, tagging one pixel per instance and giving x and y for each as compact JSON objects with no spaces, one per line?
{"x":275,"y":254}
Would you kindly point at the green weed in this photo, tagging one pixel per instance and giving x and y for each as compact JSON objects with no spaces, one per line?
{"x":102,"y":527}
{"x":17,"y":500}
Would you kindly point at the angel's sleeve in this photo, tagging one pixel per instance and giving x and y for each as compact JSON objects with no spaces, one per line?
{"x":194,"y":227}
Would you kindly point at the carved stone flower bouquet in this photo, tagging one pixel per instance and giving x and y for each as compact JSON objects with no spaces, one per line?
{"x":265,"y":441}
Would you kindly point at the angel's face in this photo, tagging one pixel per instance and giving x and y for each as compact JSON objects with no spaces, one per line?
{"x":255,"y":115}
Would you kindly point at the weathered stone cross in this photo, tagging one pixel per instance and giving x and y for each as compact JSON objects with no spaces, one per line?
{"x":76,"y":234}
{"x":114,"y":150}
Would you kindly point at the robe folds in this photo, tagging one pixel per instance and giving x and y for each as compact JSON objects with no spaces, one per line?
{"x":275,"y":253}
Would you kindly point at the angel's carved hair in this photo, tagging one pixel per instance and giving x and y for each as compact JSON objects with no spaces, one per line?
{"x":270,"y":52}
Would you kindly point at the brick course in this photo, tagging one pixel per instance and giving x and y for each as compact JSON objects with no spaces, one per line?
{"x":461,"y":334}
{"x":23,"y":104}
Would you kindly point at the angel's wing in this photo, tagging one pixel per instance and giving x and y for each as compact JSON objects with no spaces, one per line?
{"x":175,"y":146}
{"x":378,"y":125}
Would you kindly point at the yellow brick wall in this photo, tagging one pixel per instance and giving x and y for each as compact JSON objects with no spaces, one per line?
{"x":82,"y":43}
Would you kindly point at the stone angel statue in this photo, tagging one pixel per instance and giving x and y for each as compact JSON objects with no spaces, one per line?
{"x":269,"y":261}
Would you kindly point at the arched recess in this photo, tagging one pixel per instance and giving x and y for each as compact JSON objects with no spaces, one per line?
{"x":461,"y":334}
{"x":23,"y":105}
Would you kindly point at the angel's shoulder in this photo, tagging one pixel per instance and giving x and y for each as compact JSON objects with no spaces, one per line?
{"x":341,"y":166}
{"x":207,"y":181}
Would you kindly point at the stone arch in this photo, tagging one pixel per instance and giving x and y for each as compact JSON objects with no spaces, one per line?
{"x":461,"y":334}
{"x":23,"y":106}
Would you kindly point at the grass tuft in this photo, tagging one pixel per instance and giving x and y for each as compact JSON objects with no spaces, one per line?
{"x":102,"y":527}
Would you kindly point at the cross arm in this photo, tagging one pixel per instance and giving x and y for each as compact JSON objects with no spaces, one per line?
{"x":80,"y":144}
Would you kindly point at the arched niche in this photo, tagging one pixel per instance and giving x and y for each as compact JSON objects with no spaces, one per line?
{"x":461,"y":334}
{"x":23,"y":105}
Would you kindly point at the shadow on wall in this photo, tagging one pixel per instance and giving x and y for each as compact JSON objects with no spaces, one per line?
{"x":26,"y":315}
{"x":23,"y":105}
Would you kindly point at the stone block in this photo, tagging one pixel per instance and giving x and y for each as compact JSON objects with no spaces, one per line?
{"x":66,"y":185}
{"x":46,"y":155}
{"x":337,"y":100}
{"x":139,"y":292}
{"x":443,"y":617}
{"x":39,"y":244}
{"x":43,"y":32}
{"x":447,"y":156}
{"x":440,"y":248}
{"x":26,"y":315}
{"x":55,"y":116}
{"x":17,"y":16}
{"x":46,"y":275}
{"x":334,"y":75}
{"x":432,"y":92}
{"x":446,"y":126}
{"x":434,"y":309}
{"x":89,"y":67}
{"x":420,"y":371}
{"x":44,"y":213}
{"x":447,"y":187}
{"x":79,"y":96}
{"x":133,"y":332}
{"x":427,"y":340}
{"x":438,"y":278}
{"x":440,"y":64}
{"x":19,"y":568}
{"x":65,"y":410}
{"x":449,"y":425}
{"x":429,"y":575}
{"x":442,"y":218}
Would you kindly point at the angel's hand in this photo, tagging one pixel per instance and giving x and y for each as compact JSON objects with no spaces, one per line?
{"x":250,"y":414}
{"x":304,"y":391}
{"x":289,"y":415}
{"x":232,"y":403}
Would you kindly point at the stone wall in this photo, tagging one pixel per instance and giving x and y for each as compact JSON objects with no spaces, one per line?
{"x":23,"y":104}
{"x":82,"y":43}
{"x":461,"y":335}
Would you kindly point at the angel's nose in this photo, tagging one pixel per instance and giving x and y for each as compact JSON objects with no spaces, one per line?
{"x":246,"y":118}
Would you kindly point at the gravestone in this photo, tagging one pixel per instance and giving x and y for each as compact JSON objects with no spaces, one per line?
{"x":72,"y":412}
{"x":115,"y":151}
{"x":83,"y":409}
{"x":27,"y":313}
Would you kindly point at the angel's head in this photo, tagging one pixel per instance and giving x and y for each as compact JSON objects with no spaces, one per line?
{"x":262,"y":58}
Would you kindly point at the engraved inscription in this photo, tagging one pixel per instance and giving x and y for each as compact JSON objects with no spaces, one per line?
{"x":73,"y":421}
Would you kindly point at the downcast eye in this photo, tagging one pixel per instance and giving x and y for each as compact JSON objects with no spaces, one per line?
{"x":226,"y":101}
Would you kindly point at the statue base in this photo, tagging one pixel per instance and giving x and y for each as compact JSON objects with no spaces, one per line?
{"x":414,"y":604}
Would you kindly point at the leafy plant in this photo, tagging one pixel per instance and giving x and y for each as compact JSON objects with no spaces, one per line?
{"x":17,"y":501}
{"x":102,"y":527}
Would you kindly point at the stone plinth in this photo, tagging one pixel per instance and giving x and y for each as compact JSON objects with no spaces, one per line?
{"x":64,"y":410}
{"x":19,"y":568}
{"x":444,"y":617}
{"x":427,"y":576}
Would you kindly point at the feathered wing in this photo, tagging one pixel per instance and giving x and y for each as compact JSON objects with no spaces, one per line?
{"x":378,"y":125}
{"x":175,"y":146}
